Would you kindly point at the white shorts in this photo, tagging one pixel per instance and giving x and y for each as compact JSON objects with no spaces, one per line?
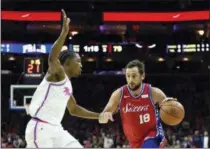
{"x":43,"y":135}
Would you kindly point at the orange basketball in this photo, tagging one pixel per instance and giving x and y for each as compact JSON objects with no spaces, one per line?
{"x":172,"y":112}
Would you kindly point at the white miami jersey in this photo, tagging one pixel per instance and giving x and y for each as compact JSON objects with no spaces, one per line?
{"x":50,"y":100}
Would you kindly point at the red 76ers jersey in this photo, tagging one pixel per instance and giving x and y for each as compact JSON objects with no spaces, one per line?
{"x":139,"y":115}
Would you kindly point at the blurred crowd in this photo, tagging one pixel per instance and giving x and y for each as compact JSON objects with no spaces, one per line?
{"x":10,"y":136}
{"x":92,"y":135}
{"x":93,"y":92}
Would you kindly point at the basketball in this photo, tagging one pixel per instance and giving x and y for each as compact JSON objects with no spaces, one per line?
{"x":172,"y":112}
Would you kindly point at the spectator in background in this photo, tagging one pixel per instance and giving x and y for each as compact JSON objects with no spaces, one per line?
{"x":94,"y":140}
{"x":205,"y":140}
{"x":3,"y":143}
{"x":118,"y":146}
{"x":190,"y":142}
{"x":125,"y":146}
{"x":197,"y":140}
{"x":185,"y":143}
{"x":178,"y":144}
{"x":100,"y":142}
{"x":184,"y":130}
{"x":9,"y":138}
{"x":108,"y":141}
{"x":10,"y":145}
{"x":173,"y":141}
{"x":18,"y":142}
{"x":87,"y":143}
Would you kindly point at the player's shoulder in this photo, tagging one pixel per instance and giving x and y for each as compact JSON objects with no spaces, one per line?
{"x":157,"y":93}
{"x":53,"y":78}
{"x":121,"y":89}
{"x":118,"y":92}
{"x":116,"y":95}
{"x":147,"y":84}
{"x":156,"y":89}
{"x":149,"y":88}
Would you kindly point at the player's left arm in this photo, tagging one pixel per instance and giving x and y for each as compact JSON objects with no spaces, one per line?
{"x":159,"y":97}
{"x":76,"y":110}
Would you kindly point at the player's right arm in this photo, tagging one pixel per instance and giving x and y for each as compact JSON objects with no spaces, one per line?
{"x":53,"y":60}
{"x":111,"y":107}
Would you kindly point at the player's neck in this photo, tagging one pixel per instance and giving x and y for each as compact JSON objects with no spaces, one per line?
{"x":137,"y":91}
{"x":69,"y":75}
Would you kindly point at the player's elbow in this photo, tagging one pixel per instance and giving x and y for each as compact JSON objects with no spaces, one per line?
{"x":72,"y":106}
{"x":72,"y":111}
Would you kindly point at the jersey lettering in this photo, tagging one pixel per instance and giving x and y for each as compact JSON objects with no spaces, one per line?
{"x":132,"y":108}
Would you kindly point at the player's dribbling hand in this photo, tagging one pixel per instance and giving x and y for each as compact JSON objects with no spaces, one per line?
{"x":168,"y":99}
{"x":105,"y":117}
{"x":66,"y":21}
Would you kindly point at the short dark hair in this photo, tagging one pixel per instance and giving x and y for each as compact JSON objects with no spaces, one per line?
{"x":66,"y":54}
{"x":136,"y":63}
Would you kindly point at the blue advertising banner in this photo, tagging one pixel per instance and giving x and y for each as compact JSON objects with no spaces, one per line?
{"x":27,"y":48}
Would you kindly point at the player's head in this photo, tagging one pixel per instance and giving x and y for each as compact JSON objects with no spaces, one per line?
{"x":71,"y":63}
{"x":135,"y":74}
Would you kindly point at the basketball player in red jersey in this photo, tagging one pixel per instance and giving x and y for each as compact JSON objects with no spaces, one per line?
{"x":138,"y":104}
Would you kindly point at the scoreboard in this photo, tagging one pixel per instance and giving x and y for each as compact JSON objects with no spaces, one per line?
{"x":33,"y":67}
{"x":188,"y":48}
{"x":104,"y":48}
{"x":109,"y":48}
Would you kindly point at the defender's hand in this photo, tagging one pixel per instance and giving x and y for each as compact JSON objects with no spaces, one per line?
{"x":66,"y":21}
{"x":105,"y":117}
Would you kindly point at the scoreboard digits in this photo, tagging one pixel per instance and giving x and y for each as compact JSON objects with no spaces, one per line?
{"x":33,"y":67}
{"x":105,"y":48}
{"x":188,"y":48}
{"x":91,"y":48}
{"x":117,"y":48}
{"x":76,"y":48}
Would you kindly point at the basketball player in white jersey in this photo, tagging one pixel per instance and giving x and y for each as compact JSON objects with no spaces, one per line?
{"x":52,"y":96}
